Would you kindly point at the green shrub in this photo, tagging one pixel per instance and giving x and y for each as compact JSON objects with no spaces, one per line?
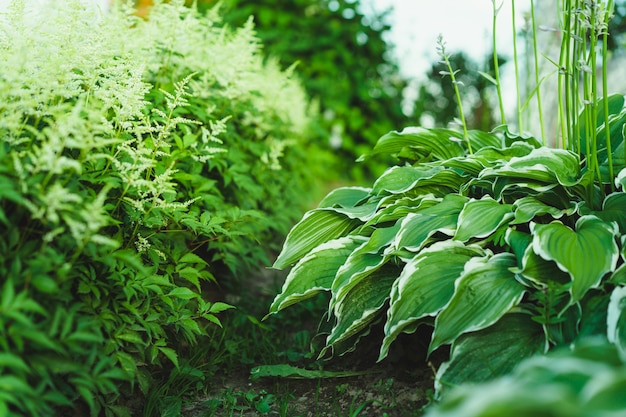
{"x":140,"y":159}
{"x":505,"y":247}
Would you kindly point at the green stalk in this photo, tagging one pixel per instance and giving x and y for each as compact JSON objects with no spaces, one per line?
{"x":496,"y":65}
{"x":455,"y":85}
{"x":563,"y":79}
{"x":605,"y":92}
{"x":515,"y":60}
{"x":536,"y":58}
{"x":593,"y":80}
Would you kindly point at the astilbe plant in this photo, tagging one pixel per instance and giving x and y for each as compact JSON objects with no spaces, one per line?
{"x":124,"y":147}
{"x":505,"y":247}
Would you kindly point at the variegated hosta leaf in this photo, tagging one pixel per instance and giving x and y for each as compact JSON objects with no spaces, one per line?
{"x":544,"y":165}
{"x":345,"y":197}
{"x":491,"y":352}
{"x":423,"y":142}
{"x":315,"y":272}
{"x":486,"y":290}
{"x":425,"y":179}
{"x":362,"y":262}
{"x":613,"y":210}
{"x":480,"y":218}
{"x":425,"y":286}
{"x":398,"y":208}
{"x":616,"y":320}
{"x":540,"y":271}
{"x":527,"y":208}
{"x":358,"y":307}
{"x":417,"y":227}
{"x":480,"y":139}
{"x":316,"y":227}
{"x":587,"y":253}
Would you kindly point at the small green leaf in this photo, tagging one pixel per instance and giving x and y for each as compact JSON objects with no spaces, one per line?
{"x":170,"y":354}
{"x":587,"y":254}
{"x":484,"y":293}
{"x":183,"y":293}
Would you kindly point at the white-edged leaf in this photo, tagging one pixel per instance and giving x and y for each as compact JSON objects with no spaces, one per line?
{"x":361,"y":304}
{"x":315,"y":272}
{"x":480,"y":218}
{"x":400,"y":179}
{"x":620,"y":179}
{"x":545,"y":165}
{"x":616,"y":320}
{"x":425,"y":286}
{"x":416,"y":228}
{"x":586,"y":254}
{"x":494,"y":351}
{"x":425,"y":142}
{"x":486,"y":290}
{"x":526,"y":208}
{"x":344,"y":197}
{"x":316,"y":227}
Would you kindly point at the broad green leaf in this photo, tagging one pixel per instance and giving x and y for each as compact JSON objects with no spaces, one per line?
{"x":518,"y":242}
{"x":492,"y":352}
{"x":425,"y":286}
{"x":616,"y":320}
{"x":527,"y":208}
{"x":400,"y":208}
{"x":587,"y":253}
{"x":345,"y":197}
{"x":480,"y":218}
{"x":486,"y":290}
{"x":400,"y":179}
{"x":481,"y":139}
{"x":416,"y":228}
{"x":545,"y":165}
{"x":613,"y":210}
{"x":316,"y":227}
{"x":315,"y":272}
{"x":362,"y":262}
{"x":424,"y":142}
{"x":541,"y":271}
{"x":361,"y":304}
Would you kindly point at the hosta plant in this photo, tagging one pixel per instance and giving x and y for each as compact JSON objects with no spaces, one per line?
{"x":504,"y":246}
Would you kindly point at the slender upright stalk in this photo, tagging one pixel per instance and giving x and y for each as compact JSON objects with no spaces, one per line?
{"x":536,"y":59}
{"x":516,"y":61}
{"x":496,"y":65}
{"x":605,"y":90}
{"x":455,"y":84}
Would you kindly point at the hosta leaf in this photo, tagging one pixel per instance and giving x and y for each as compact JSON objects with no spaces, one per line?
{"x":361,"y":263}
{"x":481,"y":139}
{"x":541,"y":271}
{"x":315,"y":272}
{"x":586,"y":254}
{"x":527,"y":208}
{"x":494,"y":351}
{"x":425,"y":286}
{"x":316,"y":227}
{"x":424,"y":142}
{"x":344,"y":197}
{"x":480,"y":218}
{"x":616,"y":320}
{"x":400,"y":179}
{"x":613,"y":210}
{"x":400,"y":208}
{"x":486,"y":290}
{"x":418,"y":227}
{"x":545,"y":165}
{"x":359,"y":306}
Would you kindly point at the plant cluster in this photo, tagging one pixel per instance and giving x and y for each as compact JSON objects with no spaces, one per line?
{"x":141,"y":159}
{"x":504,"y":247}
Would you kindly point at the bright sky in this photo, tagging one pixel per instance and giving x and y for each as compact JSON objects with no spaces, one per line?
{"x":464,"y":24}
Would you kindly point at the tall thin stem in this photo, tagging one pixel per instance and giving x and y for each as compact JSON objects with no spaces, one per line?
{"x":536,"y":59}
{"x":516,"y":61}
{"x":605,"y":90}
{"x":496,"y":64}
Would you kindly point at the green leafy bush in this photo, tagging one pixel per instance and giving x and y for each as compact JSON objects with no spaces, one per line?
{"x":504,"y":252}
{"x":140,"y":160}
